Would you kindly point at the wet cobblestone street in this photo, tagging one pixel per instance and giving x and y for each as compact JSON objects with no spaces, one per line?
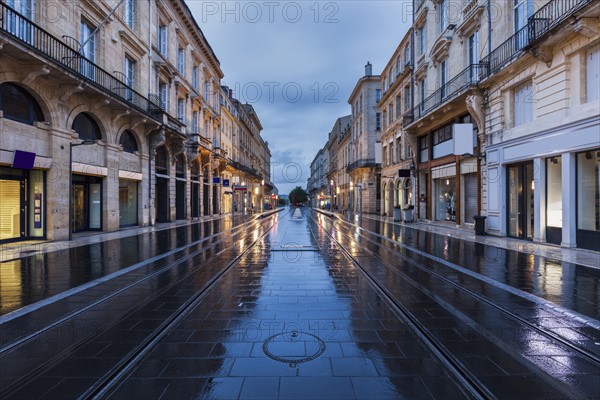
{"x":298,"y":305}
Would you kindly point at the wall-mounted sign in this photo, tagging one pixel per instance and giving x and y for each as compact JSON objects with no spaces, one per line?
{"x":226,"y":182}
{"x":404,"y":173}
{"x":23,"y":160}
{"x":216,"y":180}
{"x":37,"y":210}
{"x":240,"y":188}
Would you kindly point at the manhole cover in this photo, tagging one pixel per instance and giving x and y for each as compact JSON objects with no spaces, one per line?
{"x":294,"y":347}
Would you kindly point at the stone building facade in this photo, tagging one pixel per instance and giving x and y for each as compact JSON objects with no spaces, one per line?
{"x":338,"y":178}
{"x":108,"y":119}
{"x":364,"y":165}
{"x":496,"y":106}
{"x":395,"y":101}
{"x":542,"y":124}
{"x":448,"y":44}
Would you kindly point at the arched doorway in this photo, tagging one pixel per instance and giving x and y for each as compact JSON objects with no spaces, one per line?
{"x":86,"y":191}
{"x":20,"y":185}
{"x":161,"y":168}
{"x":399,"y":194}
{"x":408,"y":191}
{"x":128,"y":189}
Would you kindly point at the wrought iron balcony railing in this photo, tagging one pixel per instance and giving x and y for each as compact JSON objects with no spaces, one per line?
{"x":453,"y":88}
{"x":27,"y":33}
{"x":541,"y":22}
{"x":364,"y":163}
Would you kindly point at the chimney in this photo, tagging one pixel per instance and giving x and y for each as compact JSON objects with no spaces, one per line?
{"x":230,"y":94}
{"x":368,"y":69}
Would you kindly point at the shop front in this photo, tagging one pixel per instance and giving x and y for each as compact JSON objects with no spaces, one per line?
{"x":22,"y":209}
{"x":87,"y":203}
{"x":128,"y":202}
{"x":588,"y":199}
{"x":445,"y":195}
{"x":520,"y":213}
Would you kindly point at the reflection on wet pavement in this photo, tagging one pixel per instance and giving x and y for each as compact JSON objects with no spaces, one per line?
{"x":571,"y":286}
{"x":288,"y":303}
{"x":40,"y":276}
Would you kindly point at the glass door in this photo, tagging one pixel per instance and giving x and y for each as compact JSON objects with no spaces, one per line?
{"x":95,"y":205}
{"x":86,"y":203}
{"x":588,"y":200}
{"x":79,"y":207}
{"x":520,"y":214}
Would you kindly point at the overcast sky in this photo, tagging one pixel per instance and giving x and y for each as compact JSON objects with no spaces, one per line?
{"x":297,"y":62}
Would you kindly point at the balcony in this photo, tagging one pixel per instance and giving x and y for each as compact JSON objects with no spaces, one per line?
{"x":364,"y":163}
{"x":26,"y":33}
{"x":545,"y":20}
{"x":468,"y":77}
{"x":539,"y":24}
{"x":244,"y":168}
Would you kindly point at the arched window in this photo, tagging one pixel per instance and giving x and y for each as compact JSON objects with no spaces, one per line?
{"x":128,"y":142}
{"x":86,"y":127}
{"x":180,"y":166}
{"x":162,"y":166}
{"x":18,"y":105}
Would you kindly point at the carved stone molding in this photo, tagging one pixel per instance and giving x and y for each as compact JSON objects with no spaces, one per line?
{"x":71,"y":91}
{"x":134,"y":125}
{"x":177,"y":147}
{"x":99,"y":103}
{"x":474,"y":103}
{"x":543,"y":54}
{"x":120,"y":114}
{"x":191,"y":152}
{"x":157,"y":139}
{"x":587,"y":26}
{"x":31,"y":76}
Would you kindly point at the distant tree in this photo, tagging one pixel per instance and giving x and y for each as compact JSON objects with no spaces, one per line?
{"x":298,"y":195}
{"x":282,"y":202}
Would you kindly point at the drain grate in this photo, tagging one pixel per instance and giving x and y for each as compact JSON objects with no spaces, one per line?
{"x":294,"y":347}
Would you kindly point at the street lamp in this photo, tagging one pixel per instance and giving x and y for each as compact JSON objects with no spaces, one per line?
{"x":71,"y":145}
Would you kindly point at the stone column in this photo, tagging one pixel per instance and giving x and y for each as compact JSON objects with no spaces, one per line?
{"x":110,"y":195}
{"x":57,"y":186}
{"x":144,"y":192}
{"x":539,"y":200}
{"x":568,"y":201}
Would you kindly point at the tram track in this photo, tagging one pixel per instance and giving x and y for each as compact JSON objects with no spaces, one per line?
{"x":126,"y":365}
{"x":160,"y":258}
{"x":467,"y":380}
{"x":592,"y":356}
{"x":241,"y":230}
{"x":463,"y":374}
